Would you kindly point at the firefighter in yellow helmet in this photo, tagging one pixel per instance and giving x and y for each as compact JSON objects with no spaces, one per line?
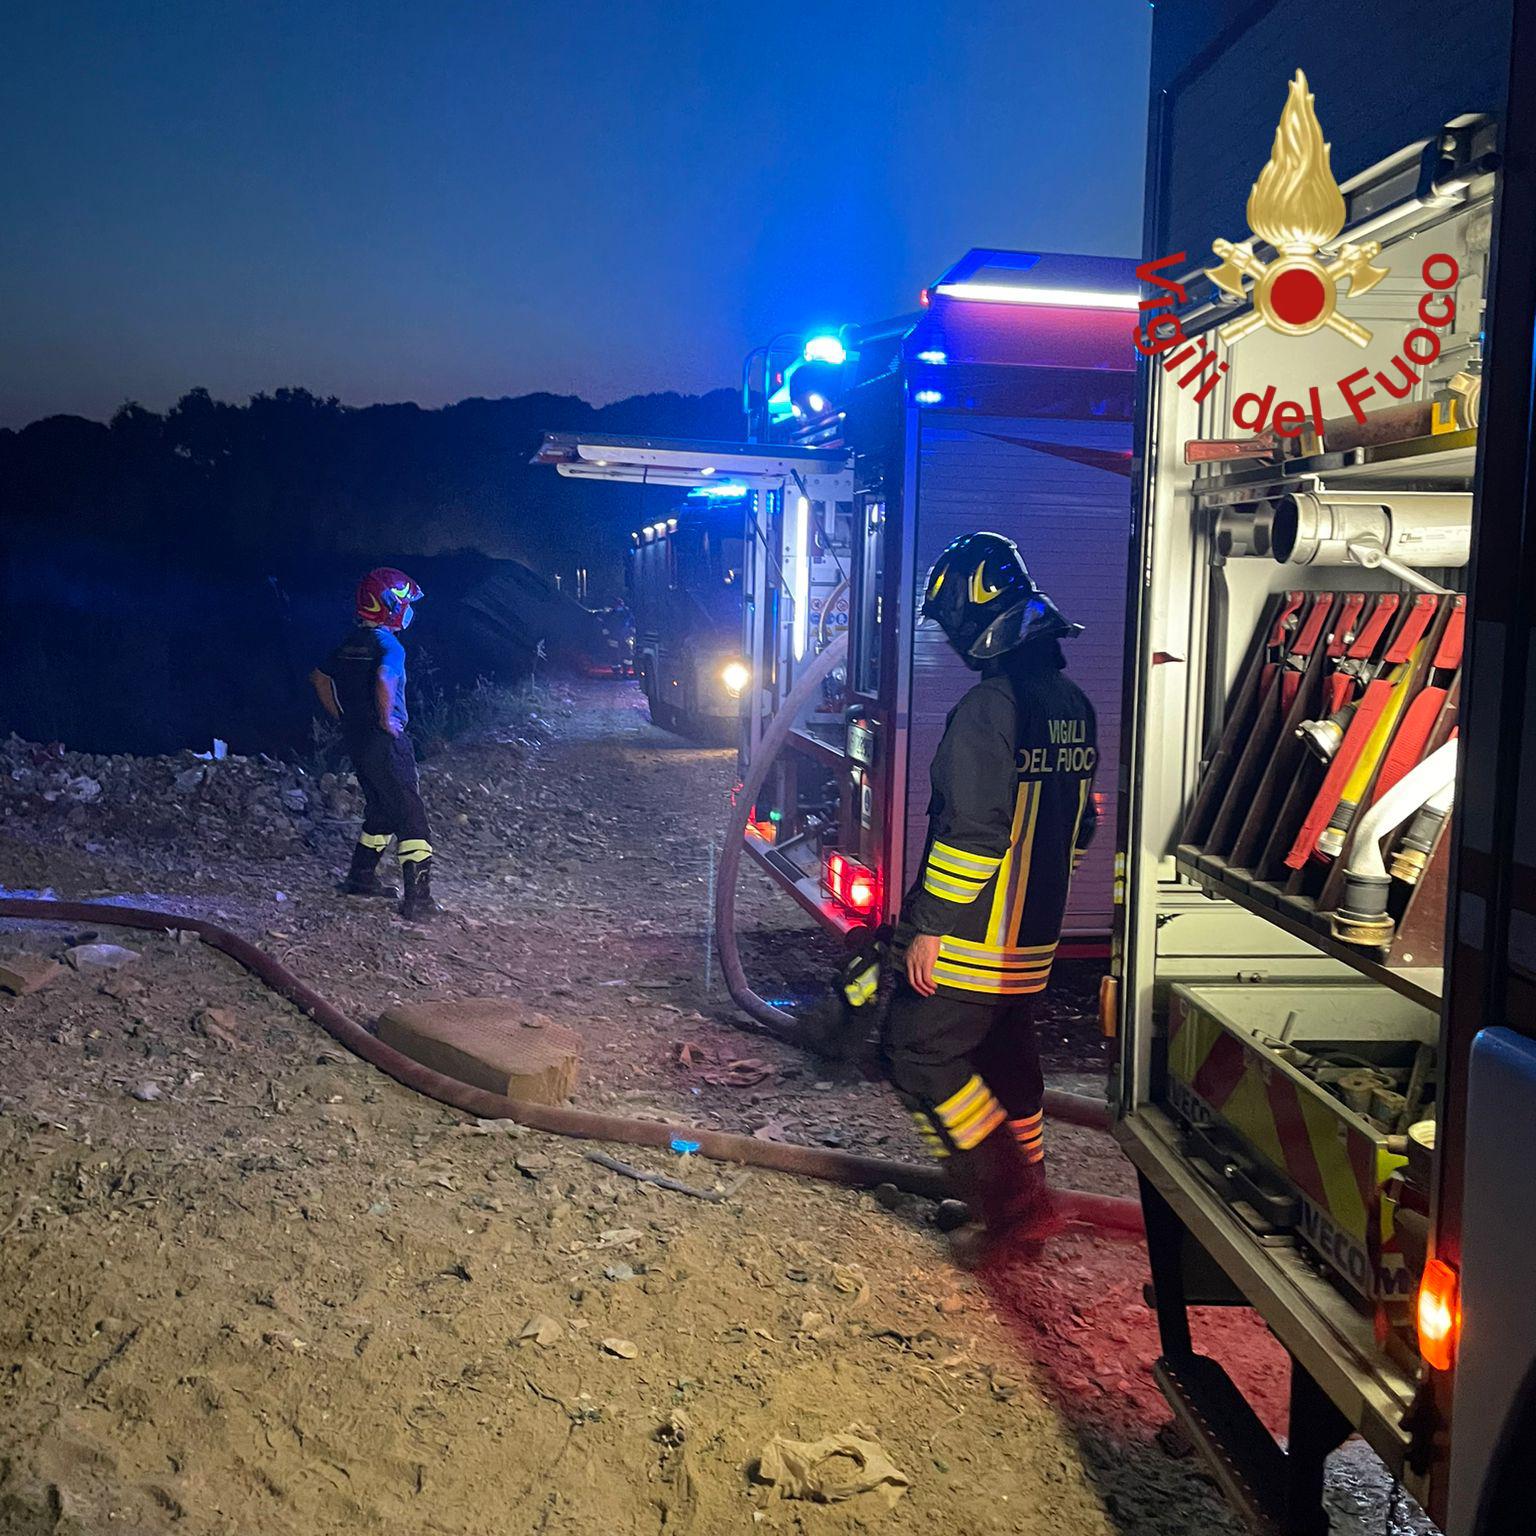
{"x":1012,"y":811}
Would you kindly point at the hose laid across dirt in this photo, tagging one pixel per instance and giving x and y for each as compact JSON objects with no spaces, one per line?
{"x":1070,"y":1108}
{"x":782,"y":1157}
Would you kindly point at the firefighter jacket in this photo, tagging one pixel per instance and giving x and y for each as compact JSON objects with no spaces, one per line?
{"x":1011,"y":814}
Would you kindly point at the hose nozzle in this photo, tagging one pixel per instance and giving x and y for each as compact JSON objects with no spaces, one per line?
{"x":1324,"y":737}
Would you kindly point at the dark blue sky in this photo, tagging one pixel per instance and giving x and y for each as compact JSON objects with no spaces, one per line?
{"x":388,"y":201}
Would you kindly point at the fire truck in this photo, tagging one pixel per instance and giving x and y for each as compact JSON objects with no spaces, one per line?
{"x":732,"y":574}
{"x":1324,"y":966}
{"x":1005,"y":402}
{"x":684,"y":579}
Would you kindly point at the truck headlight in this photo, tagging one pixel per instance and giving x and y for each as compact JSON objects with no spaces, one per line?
{"x":735,"y":675}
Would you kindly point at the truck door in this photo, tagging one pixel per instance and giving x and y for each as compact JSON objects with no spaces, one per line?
{"x":868,"y":793}
{"x":1484,"y":1226}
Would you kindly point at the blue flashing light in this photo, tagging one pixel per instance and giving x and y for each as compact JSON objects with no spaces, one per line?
{"x":816,"y":402}
{"x":929,"y":397}
{"x":825,"y":349}
{"x":721,"y":490}
{"x":933,"y":356}
{"x":780,"y":406}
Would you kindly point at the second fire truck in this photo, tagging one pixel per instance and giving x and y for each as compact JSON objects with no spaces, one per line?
{"x":1005,"y":402}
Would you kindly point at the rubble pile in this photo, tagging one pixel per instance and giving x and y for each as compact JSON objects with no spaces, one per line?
{"x":258,"y":805}
{"x":227,"y":798}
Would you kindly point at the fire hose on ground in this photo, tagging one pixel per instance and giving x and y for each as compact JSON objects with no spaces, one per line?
{"x":808,"y":1162}
{"x":586,"y":1125}
{"x":1103,"y":1210}
{"x":823,"y":1163}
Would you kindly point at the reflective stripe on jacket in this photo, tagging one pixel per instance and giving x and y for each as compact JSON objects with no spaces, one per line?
{"x":1011,"y":813}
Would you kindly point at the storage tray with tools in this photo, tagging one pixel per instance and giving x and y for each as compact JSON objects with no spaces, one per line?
{"x":1299,"y":1102}
{"x":1342,"y":695}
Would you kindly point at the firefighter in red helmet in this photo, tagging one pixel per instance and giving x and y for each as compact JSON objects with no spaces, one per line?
{"x":362,"y":685}
{"x":1011,"y":813}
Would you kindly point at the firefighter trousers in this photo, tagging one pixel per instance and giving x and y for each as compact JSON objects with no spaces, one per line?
{"x":385,"y":766}
{"x":966,"y":1068}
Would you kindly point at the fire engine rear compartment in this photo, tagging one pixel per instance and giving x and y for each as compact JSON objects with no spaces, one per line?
{"x":999,"y":413}
{"x":1058,"y":486}
{"x":855,"y":783}
{"x":1281,"y":1048}
{"x":1003,"y":413}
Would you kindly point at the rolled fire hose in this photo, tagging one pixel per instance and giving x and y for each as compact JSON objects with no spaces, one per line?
{"x":1361,"y":916}
{"x":1071,"y":1108}
{"x":1121,"y":1216}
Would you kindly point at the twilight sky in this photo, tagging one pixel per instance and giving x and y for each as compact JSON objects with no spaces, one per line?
{"x":426,"y":201}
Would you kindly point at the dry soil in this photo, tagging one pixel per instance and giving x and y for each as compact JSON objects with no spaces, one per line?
{"x":251,"y":1285}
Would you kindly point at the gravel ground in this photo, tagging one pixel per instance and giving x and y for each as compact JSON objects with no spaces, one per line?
{"x":254,"y":1285}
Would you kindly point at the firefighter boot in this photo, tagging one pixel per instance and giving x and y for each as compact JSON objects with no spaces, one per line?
{"x":363,"y":877}
{"x":1009,"y":1202}
{"x":418,"y":904}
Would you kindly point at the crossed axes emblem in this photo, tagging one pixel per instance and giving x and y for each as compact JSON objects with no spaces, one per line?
{"x":1297,"y":293}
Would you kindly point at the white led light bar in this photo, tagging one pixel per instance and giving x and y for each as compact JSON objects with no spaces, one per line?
{"x":1060,"y":298}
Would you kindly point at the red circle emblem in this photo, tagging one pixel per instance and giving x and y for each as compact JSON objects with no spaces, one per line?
{"x":1298,"y":296}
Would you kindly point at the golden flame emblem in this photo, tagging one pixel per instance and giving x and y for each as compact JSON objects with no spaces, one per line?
{"x":1296,"y":207}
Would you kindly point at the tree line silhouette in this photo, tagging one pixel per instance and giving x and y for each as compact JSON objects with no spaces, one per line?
{"x":170,"y":575}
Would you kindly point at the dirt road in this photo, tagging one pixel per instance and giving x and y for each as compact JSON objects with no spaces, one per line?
{"x":253,"y":1286}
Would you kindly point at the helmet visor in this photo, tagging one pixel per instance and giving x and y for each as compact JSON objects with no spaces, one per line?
{"x":1036,"y":618}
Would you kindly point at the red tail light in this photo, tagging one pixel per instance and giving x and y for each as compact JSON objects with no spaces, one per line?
{"x":853,"y":884}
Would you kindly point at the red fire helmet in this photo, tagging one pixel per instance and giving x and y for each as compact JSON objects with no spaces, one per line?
{"x":384,"y":598}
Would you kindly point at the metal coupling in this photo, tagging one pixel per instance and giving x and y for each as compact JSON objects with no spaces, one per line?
{"x":1361,"y":917}
{"x":1331,"y":840}
{"x":1412,"y":853}
{"x":1322,"y":737}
